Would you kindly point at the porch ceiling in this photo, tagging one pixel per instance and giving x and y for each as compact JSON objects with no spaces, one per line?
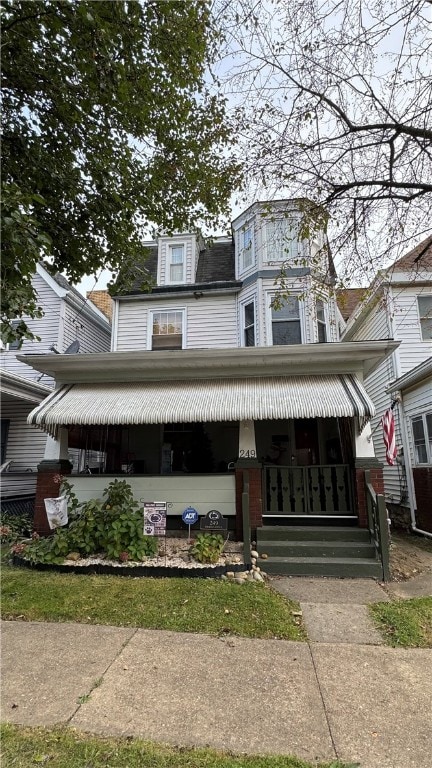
{"x":161,"y":402}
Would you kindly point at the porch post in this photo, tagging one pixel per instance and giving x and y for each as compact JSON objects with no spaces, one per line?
{"x":364,"y":456}
{"x":247,"y":460}
{"x":54,"y":463}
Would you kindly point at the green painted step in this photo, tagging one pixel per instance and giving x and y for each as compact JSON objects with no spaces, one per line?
{"x":346,"y":549}
{"x":311,"y":533}
{"x":340,"y":567}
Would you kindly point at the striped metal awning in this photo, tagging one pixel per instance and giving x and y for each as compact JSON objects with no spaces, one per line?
{"x":162,"y":402}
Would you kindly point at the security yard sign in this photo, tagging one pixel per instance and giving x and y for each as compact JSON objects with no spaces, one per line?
{"x":190,"y":517}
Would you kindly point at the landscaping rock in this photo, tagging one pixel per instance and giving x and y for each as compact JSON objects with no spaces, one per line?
{"x":257,"y":576}
{"x":73,"y":556}
{"x":230,"y":574}
{"x":254,"y":553}
{"x":264,"y":556}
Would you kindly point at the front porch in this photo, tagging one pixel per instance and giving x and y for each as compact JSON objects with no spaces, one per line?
{"x":266,"y":439}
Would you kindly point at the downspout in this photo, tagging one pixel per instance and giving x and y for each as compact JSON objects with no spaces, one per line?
{"x":407,"y":452}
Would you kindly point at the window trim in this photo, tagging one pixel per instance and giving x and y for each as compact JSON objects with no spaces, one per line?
{"x":246,"y":327}
{"x":324,"y":322}
{"x":269,"y":319}
{"x":243,"y":250}
{"x":157,"y":310}
{"x":5,"y":426}
{"x":428,"y":439}
{"x":169,"y":263}
{"x":423,"y":317}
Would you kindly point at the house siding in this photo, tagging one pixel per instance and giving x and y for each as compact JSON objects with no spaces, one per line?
{"x":91,"y":336}
{"x":377,"y":326}
{"x":211,"y":322}
{"x":46,"y":327}
{"x":406,"y":328}
{"x":26,"y":444}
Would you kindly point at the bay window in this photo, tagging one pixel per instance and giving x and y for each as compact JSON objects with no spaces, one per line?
{"x":285,"y":322}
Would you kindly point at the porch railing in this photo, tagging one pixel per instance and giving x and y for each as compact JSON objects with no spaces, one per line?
{"x":378,"y":524}
{"x":311,"y":490}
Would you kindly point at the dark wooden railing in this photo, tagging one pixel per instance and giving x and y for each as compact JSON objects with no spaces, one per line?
{"x":246,"y":519}
{"x":314,"y":490}
{"x":378,"y":525}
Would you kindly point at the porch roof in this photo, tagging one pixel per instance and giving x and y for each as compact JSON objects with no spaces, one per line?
{"x":222,"y":399}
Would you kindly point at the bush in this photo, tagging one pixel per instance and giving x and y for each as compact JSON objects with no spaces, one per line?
{"x":207,"y":547}
{"x":114,"y":527}
{"x":14,"y":527}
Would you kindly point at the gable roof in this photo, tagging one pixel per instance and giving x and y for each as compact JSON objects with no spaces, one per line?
{"x":347,"y":300}
{"x":419,"y":257}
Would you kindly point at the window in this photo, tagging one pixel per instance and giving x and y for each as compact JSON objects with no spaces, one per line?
{"x":249,"y":325}
{"x":281,"y":240}
{"x":425,"y":312}
{"x":246,"y":240}
{"x":321,"y":321}
{"x":422,"y":433}
{"x":286,"y":328}
{"x":176,"y":263}
{"x":167,"y":330}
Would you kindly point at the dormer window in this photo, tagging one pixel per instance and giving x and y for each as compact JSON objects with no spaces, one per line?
{"x":246,"y":241}
{"x":176,"y":263}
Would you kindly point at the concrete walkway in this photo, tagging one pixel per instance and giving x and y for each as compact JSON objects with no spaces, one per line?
{"x":320,"y":700}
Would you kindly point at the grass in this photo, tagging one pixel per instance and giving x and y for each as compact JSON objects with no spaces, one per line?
{"x":211,"y":606}
{"x":405,"y":623}
{"x":66,"y":748}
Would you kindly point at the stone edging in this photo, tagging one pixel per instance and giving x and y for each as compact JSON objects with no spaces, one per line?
{"x":136,"y":571}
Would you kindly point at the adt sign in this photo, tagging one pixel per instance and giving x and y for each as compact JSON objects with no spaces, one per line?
{"x":190,"y":516}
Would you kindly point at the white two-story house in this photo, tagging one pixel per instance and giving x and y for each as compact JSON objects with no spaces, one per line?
{"x":214,"y":374}
{"x":68,"y":322}
{"x":399,"y":306}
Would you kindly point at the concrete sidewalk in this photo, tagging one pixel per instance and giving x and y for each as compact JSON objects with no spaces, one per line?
{"x":360,"y":703}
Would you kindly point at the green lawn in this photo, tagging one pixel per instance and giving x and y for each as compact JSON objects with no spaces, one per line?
{"x":65,"y":748}
{"x":405,"y":623}
{"x":183,"y":605}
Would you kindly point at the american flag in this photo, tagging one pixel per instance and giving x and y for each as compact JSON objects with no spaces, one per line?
{"x":388,"y":425}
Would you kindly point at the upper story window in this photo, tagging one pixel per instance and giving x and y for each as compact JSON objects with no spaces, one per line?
{"x":425,"y":312}
{"x":246,"y":247}
{"x":167,"y":330}
{"x":281,"y":240}
{"x":321,"y":321}
{"x":422,"y":432}
{"x":176,"y":263}
{"x":249,"y":325}
{"x":286,"y":325}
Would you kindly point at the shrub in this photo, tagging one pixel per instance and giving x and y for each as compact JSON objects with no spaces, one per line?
{"x":114,"y":526}
{"x":14,"y":527}
{"x":207,"y":547}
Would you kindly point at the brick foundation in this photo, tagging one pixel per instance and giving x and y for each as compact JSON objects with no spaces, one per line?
{"x":423,"y":491}
{"x":255,"y":498}
{"x":377,"y":479}
{"x":47,"y":487}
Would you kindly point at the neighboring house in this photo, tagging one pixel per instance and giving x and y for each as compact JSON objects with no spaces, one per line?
{"x":68,"y":319}
{"x":399,"y":306}
{"x":212,"y":392}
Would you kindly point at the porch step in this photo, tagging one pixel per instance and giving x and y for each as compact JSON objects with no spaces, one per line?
{"x":311,"y":533}
{"x":315,"y":548}
{"x":340,"y":551}
{"x":355,"y":567}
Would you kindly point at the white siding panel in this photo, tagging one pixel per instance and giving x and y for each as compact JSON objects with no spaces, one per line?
{"x":26,"y":444}
{"x":203,"y":492}
{"x":46,"y":327}
{"x":406,"y":323}
{"x":210,"y":322}
{"x":132,"y":325}
{"x":92,"y":337}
